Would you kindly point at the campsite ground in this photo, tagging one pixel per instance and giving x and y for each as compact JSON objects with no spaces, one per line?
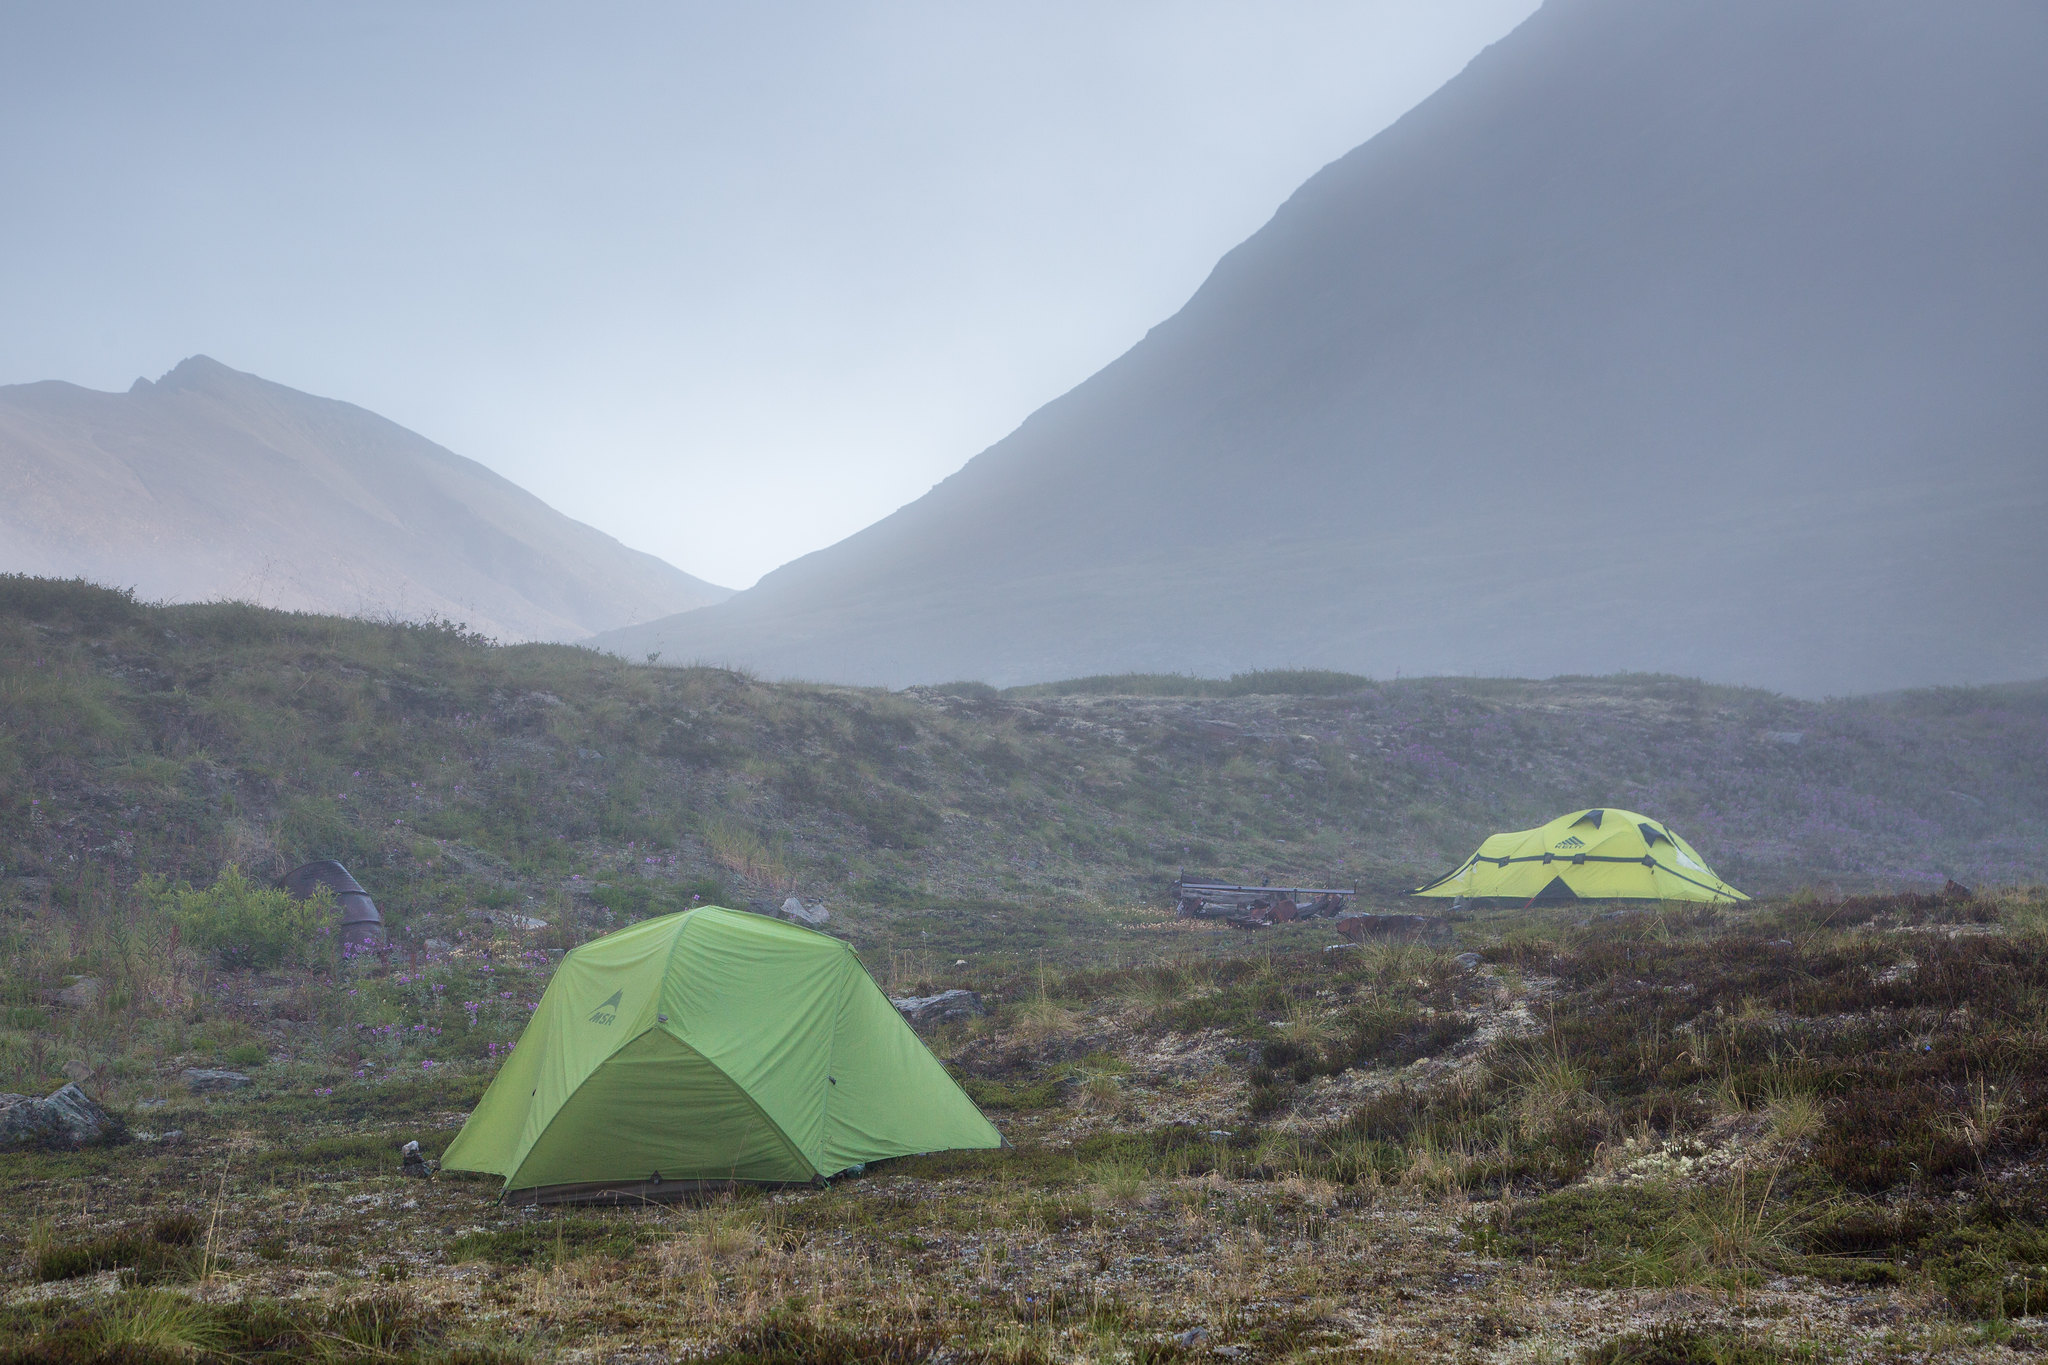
{"x":1794,"y":1131}
{"x":1807,"y":1128}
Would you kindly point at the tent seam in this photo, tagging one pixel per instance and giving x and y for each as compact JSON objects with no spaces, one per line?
{"x":567,"y":1099}
{"x":869,"y":977}
{"x":832,"y":1051}
{"x":1568,"y":860}
{"x":570,"y":1098}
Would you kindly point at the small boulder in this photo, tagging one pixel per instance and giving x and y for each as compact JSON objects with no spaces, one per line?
{"x":204,"y":1080}
{"x":814,"y":913}
{"x":937,"y":1009}
{"x":82,"y":994}
{"x":1469,"y":961}
{"x":68,"y":1118}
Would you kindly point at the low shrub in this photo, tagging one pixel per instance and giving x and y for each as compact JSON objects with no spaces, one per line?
{"x":549,"y":1242}
{"x":165,"y":1251}
{"x":790,"y":1340}
{"x":1672,"y":1344}
{"x":245,"y":924}
{"x":150,"y":1326}
{"x":72,"y":600}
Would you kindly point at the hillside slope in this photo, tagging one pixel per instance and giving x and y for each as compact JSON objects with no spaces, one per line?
{"x":446,"y":772}
{"x":1702,"y":338}
{"x":211,"y":483}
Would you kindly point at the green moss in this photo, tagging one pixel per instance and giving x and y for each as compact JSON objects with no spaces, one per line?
{"x":1040,"y":1092}
{"x":793,"y":1340}
{"x":167,"y":1250}
{"x":1681,"y":1345}
{"x":550,"y":1240}
{"x":147,"y":1327}
{"x":1988,"y":1255}
{"x":1614,"y":1236}
{"x":354,"y":1154}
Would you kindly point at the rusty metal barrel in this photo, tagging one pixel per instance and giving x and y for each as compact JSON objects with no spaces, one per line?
{"x":361,"y":926}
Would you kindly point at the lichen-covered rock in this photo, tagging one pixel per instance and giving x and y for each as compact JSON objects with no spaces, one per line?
{"x":68,"y":1118}
{"x":201,"y":1080}
{"x":814,"y":913}
{"x":82,"y":994}
{"x":937,"y":1009}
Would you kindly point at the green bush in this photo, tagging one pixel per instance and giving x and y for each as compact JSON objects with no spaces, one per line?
{"x":58,"y":599}
{"x":249,"y":925}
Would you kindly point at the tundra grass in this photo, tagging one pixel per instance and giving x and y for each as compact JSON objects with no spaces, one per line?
{"x":1669,"y":1108}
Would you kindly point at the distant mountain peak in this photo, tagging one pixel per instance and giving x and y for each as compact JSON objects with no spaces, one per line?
{"x":260,"y":492}
{"x":1701,"y":337}
{"x":198,"y":371}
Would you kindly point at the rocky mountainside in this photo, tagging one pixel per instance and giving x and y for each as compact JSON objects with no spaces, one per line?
{"x":211,"y":483}
{"x":1703,"y":338}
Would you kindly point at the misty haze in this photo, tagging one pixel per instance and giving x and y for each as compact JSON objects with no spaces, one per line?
{"x":904,"y":683}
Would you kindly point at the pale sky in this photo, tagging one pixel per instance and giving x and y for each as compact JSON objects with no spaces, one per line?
{"x":727,"y":281}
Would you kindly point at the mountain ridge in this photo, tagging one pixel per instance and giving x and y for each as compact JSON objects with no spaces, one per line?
{"x":210,"y":482}
{"x":1698,"y":268}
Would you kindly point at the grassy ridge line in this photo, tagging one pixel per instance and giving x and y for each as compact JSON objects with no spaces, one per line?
{"x":1285,"y":682}
{"x":457,"y":774}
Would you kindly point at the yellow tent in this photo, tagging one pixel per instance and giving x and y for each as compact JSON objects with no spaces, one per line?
{"x":1588,"y":855}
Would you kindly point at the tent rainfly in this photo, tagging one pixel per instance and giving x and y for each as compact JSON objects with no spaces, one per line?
{"x":709,"y":1045}
{"x":1588,"y":855}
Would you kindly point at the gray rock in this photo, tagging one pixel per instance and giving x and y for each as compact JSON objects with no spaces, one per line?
{"x":201,"y":1080}
{"x":814,"y":913}
{"x":81,"y":994}
{"x":1194,"y":1336}
{"x":1469,"y":961}
{"x":68,"y":1118}
{"x":937,"y":1009}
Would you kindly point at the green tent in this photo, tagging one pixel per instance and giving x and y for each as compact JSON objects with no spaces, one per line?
{"x":1604,"y":854}
{"x":710,"y":1045}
